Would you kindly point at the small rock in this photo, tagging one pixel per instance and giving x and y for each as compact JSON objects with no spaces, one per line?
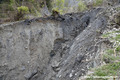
{"x":72,"y":71}
{"x":55,"y":64}
{"x":80,"y":58}
{"x":28,"y":75}
{"x":26,"y":47}
{"x":1,"y":78}
{"x":22,"y":68}
{"x":59,"y":76}
{"x":75,"y":73}
{"x":70,"y":75}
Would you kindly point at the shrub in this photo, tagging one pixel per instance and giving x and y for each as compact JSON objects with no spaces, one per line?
{"x":81,"y":6}
{"x":49,"y":4}
{"x":118,"y":49}
{"x":31,"y":0}
{"x":58,"y":5}
{"x":110,"y":56}
{"x":21,"y":11}
{"x":97,"y":2}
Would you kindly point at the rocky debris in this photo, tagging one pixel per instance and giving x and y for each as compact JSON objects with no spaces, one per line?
{"x":117,"y":18}
{"x":29,"y":75}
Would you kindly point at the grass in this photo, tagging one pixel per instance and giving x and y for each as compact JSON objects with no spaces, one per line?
{"x":97,"y":2}
{"x":58,"y":5}
{"x":106,"y":70}
{"x":23,"y":9}
{"x":109,"y":35}
{"x":118,"y":49}
{"x":117,"y":37}
{"x":81,"y":6}
{"x":112,"y":61}
{"x":109,"y":51}
{"x":10,"y":8}
{"x":118,"y":8}
{"x":110,"y":57}
{"x":106,"y":35}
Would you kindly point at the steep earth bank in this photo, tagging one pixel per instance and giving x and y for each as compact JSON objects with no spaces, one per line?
{"x":52,"y":48}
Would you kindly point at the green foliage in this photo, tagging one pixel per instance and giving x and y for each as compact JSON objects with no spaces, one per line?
{"x":118,"y":8}
{"x":106,"y":70}
{"x":81,"y":6}
{"x":49,"y":4}
{"x":111,"y":57}
{"x":118,"y":49}
{"x":10,"y":8}
{"x":12,"y":2}
{"x":110,"y":51}
{"x":97,"y":2}
{"x":58,"y":10}
{"x":91,"y":78}
{"x":113,"y":36}
{"x":109,"y":69}
{"x":23,"y":9}
{"x":117,"y":37}
{"x":58,"y":5}
{"x":31,"y":0}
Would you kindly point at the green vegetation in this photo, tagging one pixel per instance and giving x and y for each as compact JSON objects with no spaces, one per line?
{"x":58,"y":5}
{"x":23,"y":9}
{"x":118,"y":49}
{"x":109,"y":69}
{"x":106,"y":70}
{"x":97,"y":2}
{"x":15,"y":9}
{"x":111,"y":57}
{"x":81,"y":6}
{"x":49,"y":4}
{"x":113,"y":36}
{"x":110,"y":51}
{"x":118,"y":8}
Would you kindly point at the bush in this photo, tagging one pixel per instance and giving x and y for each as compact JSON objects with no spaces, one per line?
{"x":81,"y":6}
{"x":49,"y":4}
{"x":21,"y":11}
{"x":58,"y":5}
{"x":19,"y":8}
{"x":98,"y":2}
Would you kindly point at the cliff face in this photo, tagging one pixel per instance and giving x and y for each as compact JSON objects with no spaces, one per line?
{"x":50,"y":48}
{"x":25,"y":48}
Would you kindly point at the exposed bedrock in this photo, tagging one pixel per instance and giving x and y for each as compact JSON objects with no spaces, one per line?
{"x":60,"y":48}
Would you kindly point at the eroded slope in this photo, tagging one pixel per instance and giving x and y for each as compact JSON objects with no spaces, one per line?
{"x":53,"y":48}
